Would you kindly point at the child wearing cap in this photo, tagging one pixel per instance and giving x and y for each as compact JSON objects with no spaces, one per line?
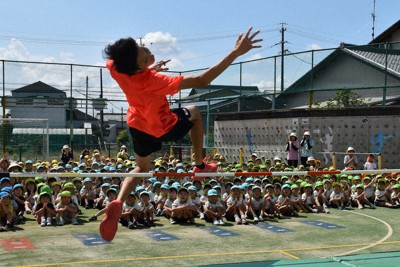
{"x":309,"y":199}
{"x":369,"y":188}
{"x":98,"y":202}
{"x":160,"y":199}
{"x":284,"y":204}
{"x":146,"y":209}
{"x":295,"y":197}
{"x":66,"y":210}
{"x":56,"y":187}
{"x":167,"y":207}
{"x":395,"y":196}
{"x":270,"y":200}
{"x":236,"y":210}
{"x":320,"y":199}
{"x":382,"y":196}
{"x":256,"y":205}
{"x":44,"y":210}
{"x":6,"y":212}
{"x":292,"y":149}
{"x":192,"y":190}
{"x":213,"y":209}
{"x":87,"y":193}
{"x":337,"y":197}
{"x":359,"y":198}
{"x":111,"y":194}
{"x":350,"y":160}
{"x":183,"y":209}
{"x":130,"y":212}
{"x":18,"y":196}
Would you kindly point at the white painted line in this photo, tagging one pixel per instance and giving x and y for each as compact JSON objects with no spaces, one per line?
{"x":386,"y":237}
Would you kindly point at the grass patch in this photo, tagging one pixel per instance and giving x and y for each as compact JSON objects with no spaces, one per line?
{"x":57,"y":245}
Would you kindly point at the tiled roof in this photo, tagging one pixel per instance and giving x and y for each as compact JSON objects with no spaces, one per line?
{"x":378,"y":58}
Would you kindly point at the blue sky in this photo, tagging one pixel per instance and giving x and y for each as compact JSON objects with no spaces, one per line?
{"x":193,"y":34}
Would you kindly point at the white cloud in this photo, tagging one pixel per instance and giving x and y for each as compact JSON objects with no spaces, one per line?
{"x":313,"y":47}
{"x":265,"y":85}
{"x":164,"y":46}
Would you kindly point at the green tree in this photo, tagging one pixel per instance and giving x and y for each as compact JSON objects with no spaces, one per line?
{"x":345,"y":98}
{"x":122,"y":138}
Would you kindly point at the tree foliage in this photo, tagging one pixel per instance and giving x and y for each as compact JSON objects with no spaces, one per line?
{"x":345,"y":98}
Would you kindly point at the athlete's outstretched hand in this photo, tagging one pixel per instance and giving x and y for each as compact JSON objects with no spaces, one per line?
{"x":160,"y":66}
{"x":245,"y":43}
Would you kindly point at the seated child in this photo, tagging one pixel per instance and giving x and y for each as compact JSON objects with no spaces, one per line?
{"x":130,"y":212}
{"x":167,"y":207}
{"x":213,"y":209}
{"x":98,"y":202}
{"x":359,"y":198}
{"x":87,"y":193}
{"x":269,"y":202}
{"x":256,"y":206}
{"x":147,"y":211}
{"x":320,"y":199}
{"x":159,"y":200}
{"x":308,"y":199}
{"x":382,"y":197}
{"x":19,"y":199}
{"x":284,"y":204}
{"x":44,"y":210}
{"x":183,"y":209}
{"x":30,"y":189}
{"x":236,"y":210}
{"x":112,"y":194}
{"x":6,"y":212}
{"x":195,"y":199}
{"x":395,"y":196}
{"x":337,"y":197}
{"x":295,"y":197}
{"x":66,"y":210}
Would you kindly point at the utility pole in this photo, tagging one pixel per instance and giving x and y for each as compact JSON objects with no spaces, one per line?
{"x":373,"y":22}
{"x":282,"y":31}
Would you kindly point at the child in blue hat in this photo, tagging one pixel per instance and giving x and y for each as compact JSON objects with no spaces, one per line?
{"x":213,"y":209}
{"x":167,"y":207}
{"x":131,"y":212}
{"x":18,"y":196}
{"x":183,"y":209}
{"x":87,"y":193}
{"x":236,"y":210}
{"x":147,"y":211}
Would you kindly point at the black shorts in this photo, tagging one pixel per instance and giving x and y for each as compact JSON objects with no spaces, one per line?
{"x":144,"y":144}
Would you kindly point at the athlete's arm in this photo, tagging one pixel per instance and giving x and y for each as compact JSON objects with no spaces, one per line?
{"x":243,"y":45}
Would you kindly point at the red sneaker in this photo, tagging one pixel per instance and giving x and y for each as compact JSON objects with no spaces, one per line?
{"x":109,"y":224}
{"x":209,"y":167}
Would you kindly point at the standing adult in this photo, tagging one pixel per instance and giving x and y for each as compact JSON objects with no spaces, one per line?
{"x":306,"y":146}
{"x":66,"y":155}
{"x":292,"y":148}
{"x":350,"y":160}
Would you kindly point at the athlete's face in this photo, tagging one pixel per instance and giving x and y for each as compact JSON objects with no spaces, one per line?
{"x":145,"y":58}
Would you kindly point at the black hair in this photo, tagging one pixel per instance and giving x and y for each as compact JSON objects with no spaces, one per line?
{"x":124,"y":52}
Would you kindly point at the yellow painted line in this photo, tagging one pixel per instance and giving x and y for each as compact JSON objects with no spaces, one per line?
{"x":290,"y":255}
{"x":211,"y":254}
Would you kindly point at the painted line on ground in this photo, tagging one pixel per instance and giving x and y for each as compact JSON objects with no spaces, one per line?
{"x":207,"y":254}
{"x":290,"y":255}
{"x":386,"y":237}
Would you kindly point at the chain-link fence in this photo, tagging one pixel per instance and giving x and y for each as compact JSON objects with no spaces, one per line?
{"x":88,"y":105}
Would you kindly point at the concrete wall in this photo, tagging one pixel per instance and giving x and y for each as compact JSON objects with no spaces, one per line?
{"x":268,"y":136}
{"x":55,"y":115}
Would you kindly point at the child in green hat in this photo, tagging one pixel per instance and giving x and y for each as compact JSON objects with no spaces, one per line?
{"x":66,"y":210}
